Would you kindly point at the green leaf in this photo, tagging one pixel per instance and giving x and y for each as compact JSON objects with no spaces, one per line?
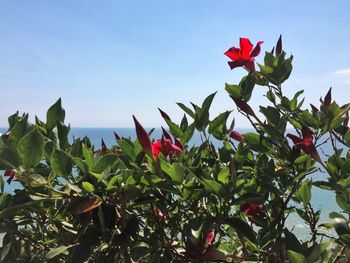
{"x":217,"y":127}
{"x":88,"y":155}
{"x":302,"y":159}
{"x":252,"y":138}
{"x":104,"y":162}
{"x":309,"y":119}
{"x":54,"y":115}
{"x":242,"y":228}
{"x":9,"y":159}
{"x":233,"y":90}
{"x":208,"y":100}
{"x":61,"y":163}
{"x":343,"y":202}
{"x":15,"y":208}
{"x":304,"y":192}
{"x":202,"y":114}
{"x":247,"y":85}
{"x":174,"y":129}
{"x":295,"y":257}
{"x":88,"y":187}
{"x":176,"y":173}
{"x":210,"y":185}
{"x":347,"y":136}
{"x":5,"y":249}
{"x":127,"y":149}
{"x":81,"y":164}
{"x":186,"y":109}
{"x":272,"y":115}
{"x":224,"y":175}
{"x":36,"y":180}
{"x":314,"y":253}
{"x":187,"y":135}
{"x":55,"y":252}
{"x":31,"y":148}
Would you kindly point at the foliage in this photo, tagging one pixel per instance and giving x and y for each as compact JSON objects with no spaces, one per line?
{"x":171,"y":201}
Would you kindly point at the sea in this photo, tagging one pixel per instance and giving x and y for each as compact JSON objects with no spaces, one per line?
{"x":321,"y":200}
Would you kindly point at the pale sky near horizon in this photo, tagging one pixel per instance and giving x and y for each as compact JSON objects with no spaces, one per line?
{"x":108,"y":60}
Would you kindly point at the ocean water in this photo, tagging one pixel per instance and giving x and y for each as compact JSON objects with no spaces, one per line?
{"x":321,"y":199}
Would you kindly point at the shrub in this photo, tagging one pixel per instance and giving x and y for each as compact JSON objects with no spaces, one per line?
{"x":171,"y":201}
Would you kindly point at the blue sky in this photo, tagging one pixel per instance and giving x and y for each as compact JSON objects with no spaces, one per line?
{"x":108,"y":60}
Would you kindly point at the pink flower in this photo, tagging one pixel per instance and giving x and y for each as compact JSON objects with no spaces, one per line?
{"x":165,"y":147}
{"x":243,"y":56}
{"x":305,"y":143}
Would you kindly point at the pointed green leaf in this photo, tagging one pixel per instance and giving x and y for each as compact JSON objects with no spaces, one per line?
{"x":54,"y":115}
{"x":31,"y":149}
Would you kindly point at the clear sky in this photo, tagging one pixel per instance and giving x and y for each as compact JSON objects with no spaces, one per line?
{"x":110,"y":59}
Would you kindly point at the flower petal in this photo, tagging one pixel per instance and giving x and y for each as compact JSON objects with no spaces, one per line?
{"x":237,"y":63}
{"x":246,"y":47}
{"x":209,"y":237}
{"x":233,"y":53}
{"x":256,"y":51}
{"x":296,"y":140}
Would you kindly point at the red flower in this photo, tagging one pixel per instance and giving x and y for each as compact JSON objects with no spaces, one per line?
{"x":305,"y":143}
{"x":243,"y":56}
{"x":165,"y":147}
{"x":236,"y":136}
{"x":10,"y":174}
{"x":253,"y":210}
{"x":176,"y":140}
{"x":209,"y":237}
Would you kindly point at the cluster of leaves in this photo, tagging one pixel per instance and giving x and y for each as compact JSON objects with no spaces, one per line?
{"x":183,"y":202}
